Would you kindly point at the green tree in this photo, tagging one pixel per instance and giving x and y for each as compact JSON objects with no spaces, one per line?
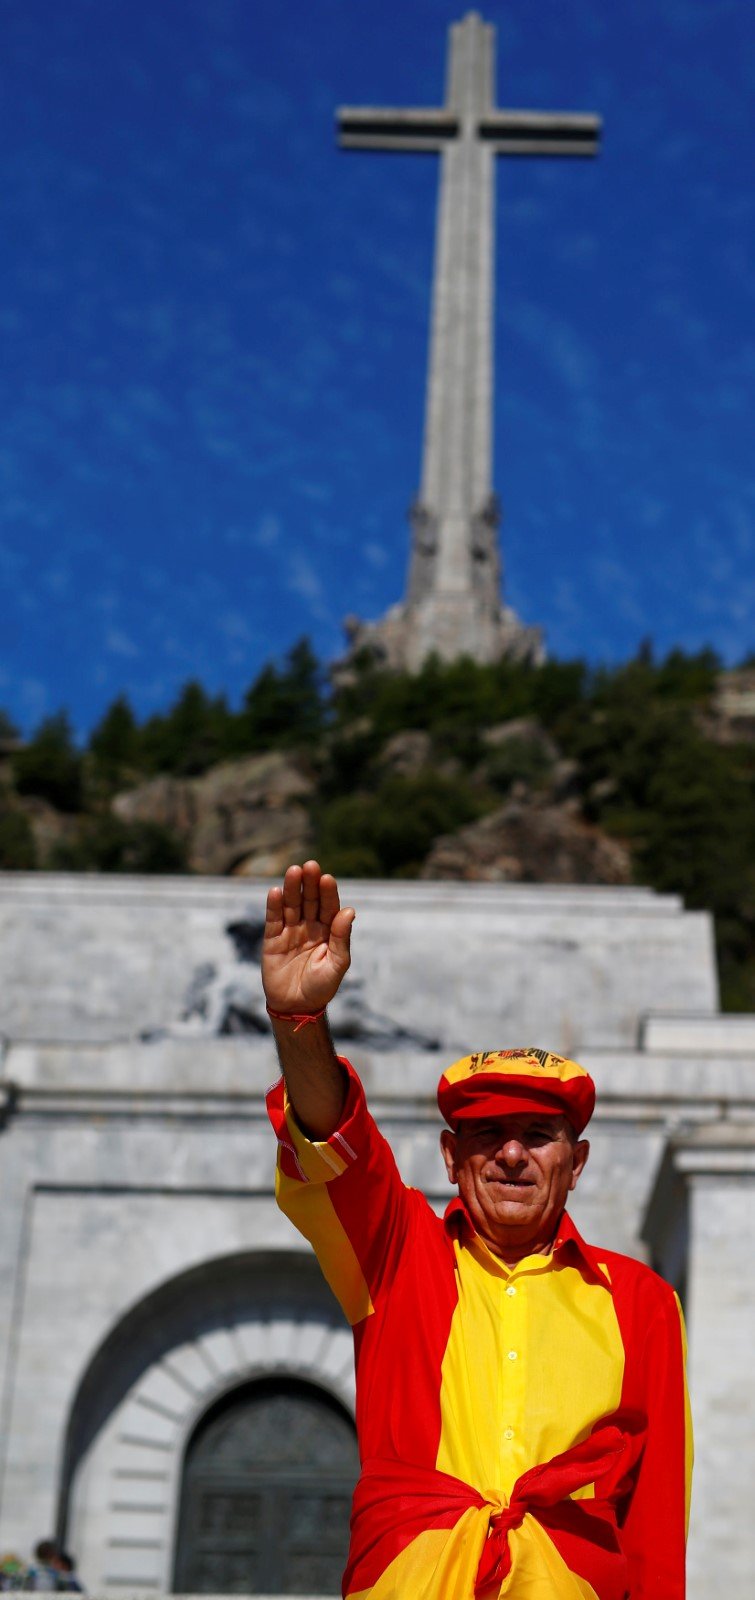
{"x":689,"y":678}
{"x":699,"y":833}
{"x":558,"y":688}
{"x":455,"y":699}
{"x":106,"y":844}
{"x":699,"y":840}
{"x":18,"y":851}
{"x":284,"y":706}
{"x":8,"y":729}
{"x":190,"y":738}
{"x":115,"y":743}
{"x":50,"y":766}
{"x":391,"y":830}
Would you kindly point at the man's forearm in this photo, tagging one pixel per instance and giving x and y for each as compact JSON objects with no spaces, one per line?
{"x":315,"y":1079}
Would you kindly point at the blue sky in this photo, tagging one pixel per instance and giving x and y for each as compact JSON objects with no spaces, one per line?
{"x":214,"y":329}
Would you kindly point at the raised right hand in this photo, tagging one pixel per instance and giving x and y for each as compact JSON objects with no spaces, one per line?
{"x":305,"y":952}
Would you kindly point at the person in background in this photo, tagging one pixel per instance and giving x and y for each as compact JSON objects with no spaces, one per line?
{"x":42,"y":1575}
{"x":12,"y":1572}
{"x":53,"y":1569}
{"x":68,"y":1578}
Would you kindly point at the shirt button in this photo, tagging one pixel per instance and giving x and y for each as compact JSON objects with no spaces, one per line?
{"x":508,"y":1433}
{"x":511,"y":1289}
{"x":513,"y":1355}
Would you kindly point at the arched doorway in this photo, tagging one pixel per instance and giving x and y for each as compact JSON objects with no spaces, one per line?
{"x":230,"y":1323}
{"x":266,"y":1493}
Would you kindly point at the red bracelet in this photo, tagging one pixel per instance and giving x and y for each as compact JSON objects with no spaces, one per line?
{"x":301,"y":1018}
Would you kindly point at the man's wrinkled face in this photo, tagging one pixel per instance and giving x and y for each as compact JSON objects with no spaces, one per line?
{"x":514,"y":1173}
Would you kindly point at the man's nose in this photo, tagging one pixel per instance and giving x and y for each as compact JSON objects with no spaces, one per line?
{"x":512,"y":1152}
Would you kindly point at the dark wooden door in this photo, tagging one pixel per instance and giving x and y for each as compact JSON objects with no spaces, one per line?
{"x":266,"y":1494}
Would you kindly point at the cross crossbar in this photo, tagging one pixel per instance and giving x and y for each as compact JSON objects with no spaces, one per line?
{"x":547,"y":133}
{"x":389,"y":128}
{"x":510,"y":133}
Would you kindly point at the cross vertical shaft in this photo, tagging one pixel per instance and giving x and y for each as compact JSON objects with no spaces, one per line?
{"x":457,"y":471}
{"x":453,"y":603}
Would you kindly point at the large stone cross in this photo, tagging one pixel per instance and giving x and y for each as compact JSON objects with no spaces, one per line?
{"x":453,"y":602}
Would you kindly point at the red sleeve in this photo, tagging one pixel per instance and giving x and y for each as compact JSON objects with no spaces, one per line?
{"x":656,"y":1511}
{"x":345,"y":1195}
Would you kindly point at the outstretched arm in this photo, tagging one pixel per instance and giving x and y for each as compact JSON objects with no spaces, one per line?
{"x":305,"y":956}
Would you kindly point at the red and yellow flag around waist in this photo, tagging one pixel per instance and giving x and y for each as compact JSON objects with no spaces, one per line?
{"x":491,"y":1535}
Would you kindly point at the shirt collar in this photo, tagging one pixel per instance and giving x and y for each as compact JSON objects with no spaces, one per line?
{"x":569,"y":1241}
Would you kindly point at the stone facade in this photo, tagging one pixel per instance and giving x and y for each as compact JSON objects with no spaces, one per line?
{"x":144,"y":1269}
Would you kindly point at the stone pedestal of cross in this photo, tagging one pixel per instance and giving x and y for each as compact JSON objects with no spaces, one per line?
{"x":453,"y":602}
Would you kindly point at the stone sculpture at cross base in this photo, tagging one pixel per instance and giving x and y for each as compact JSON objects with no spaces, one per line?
{"x":158,"y":1317}
{"x":446,"y":627}
{"x":453,"y":604}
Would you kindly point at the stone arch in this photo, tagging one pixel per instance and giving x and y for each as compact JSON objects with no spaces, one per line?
{"x":160,"y":1369}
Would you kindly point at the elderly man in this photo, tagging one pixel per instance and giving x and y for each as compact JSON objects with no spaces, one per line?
{"x":521,"y":1402}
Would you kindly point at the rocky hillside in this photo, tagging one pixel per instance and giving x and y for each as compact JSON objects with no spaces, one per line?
{"x":510,"y":773}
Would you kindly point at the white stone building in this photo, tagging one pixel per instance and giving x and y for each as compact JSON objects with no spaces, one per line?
{"x":176,"y":1378}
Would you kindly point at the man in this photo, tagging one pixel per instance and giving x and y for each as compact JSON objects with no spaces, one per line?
{"x":521,"y":1403}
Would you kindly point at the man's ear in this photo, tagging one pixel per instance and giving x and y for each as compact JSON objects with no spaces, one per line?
{"x":448,"y":1147}
{"x":581,"y":1152}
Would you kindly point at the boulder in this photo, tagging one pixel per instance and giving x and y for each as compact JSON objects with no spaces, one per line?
{"x":521,"y":750}
{"x":405,"y":753}
{"x":521,"y":730}
{"x":530,"y":841}
{"x":50,"y":828}
{"x":246,"y":817}
{"x":730,"y":717}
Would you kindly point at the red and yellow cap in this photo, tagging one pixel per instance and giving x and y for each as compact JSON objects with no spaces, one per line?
{"x":492,"y":1082}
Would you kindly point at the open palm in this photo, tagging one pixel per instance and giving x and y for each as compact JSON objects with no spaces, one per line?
{"x":305,"y":952}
